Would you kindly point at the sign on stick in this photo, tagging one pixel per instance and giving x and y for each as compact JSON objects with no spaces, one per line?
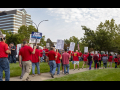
{"x":72,"y":46}
{"x":36,"y":35}
{"x":60,"y":44}
{"x":85,"y":49}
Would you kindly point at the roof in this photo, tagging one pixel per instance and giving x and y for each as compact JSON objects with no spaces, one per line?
{"x":23,"y":10}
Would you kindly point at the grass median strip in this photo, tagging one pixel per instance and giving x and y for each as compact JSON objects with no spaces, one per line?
{"x":108,"y":74}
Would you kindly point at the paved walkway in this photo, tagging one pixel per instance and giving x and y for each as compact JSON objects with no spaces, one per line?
{"x":45,"y":76}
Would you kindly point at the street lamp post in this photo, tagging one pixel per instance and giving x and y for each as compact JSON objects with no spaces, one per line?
{"x":37,"y":27}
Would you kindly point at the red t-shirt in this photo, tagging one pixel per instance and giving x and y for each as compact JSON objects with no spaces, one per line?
{"x":65,"y":58}
{"x":26,"y":53}
{"x":46,"y":50}
{"x":99,"y":57}
{"x":75,"y":56}
{"x":51,"y":55}
{"x":71,"y":53}
{"x":116,"y":59}
{"x":35,"y":57}
{"x":58,"y":58}
{"x":80,"y":54}
{"x":3,"y":49}
{"x":40,"y":52}
{"x":110,"y":58}
{"x":85,"y":56}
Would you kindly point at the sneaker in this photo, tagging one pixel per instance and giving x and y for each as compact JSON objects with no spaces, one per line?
{"x":33,"y":75}
{"x":21,"y":77}
{"x":52,"y":75}
{"x":39,"y":74}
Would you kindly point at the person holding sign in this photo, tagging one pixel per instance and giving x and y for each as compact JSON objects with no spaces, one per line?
{"x":76,"y":59}
{"x":26,"y":54}
{"x":36,"y":61}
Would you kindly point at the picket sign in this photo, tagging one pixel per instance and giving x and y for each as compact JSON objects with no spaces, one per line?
{"x":72,"y":46}
{"x":60,"y":44}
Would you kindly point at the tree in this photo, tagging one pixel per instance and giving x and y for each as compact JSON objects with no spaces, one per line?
{"x":15,"y":38}
{"x":42,"y":41}
{"x":75,"y":40}
{"x":26,"y":31}
{"x":50,"y":42}
{"x":106,"y":36}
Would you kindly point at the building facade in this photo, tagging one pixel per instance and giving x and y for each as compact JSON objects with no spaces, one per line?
{"x":12,"y":20}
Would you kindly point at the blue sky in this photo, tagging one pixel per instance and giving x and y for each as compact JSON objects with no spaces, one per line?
{"x":66,"y":22}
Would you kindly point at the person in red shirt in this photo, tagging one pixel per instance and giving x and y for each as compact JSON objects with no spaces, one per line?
{"x":80,"y":54}
{"x":35,"y":61}
{"x":110,"y":60}
{"x":4,"y":63}
{"x":41,"y":54}
{"x":85,"y":56}
{"x":51,"y":59}
{"x":76,"y":59}
{"x":26,"y":54}
{"x":116,"y":61}
{"x":65,"y":60}
{"x":95,"y":58}
{"x":71,"y":54}
{"x":99,"y":59}
{"x":58,"y":61}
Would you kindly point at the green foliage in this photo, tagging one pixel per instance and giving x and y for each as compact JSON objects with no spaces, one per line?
{"x":92,"y":75}
{"x":26,"y":31}
{"x":42,"y":41}
{"x":75,"y":40}
{"x":15,"y":38}
{"x":105,"y":37}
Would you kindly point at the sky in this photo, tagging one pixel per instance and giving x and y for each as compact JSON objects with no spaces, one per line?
{"x":64,"y":23}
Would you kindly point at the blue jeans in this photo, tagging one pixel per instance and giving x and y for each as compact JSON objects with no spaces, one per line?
{"x":33,"y":68}
{"x":4,"y":65}
{"x":41,"y":59}
{"x":12,"y":58}
{"x":58,"y":66}
{"x":52,"y":65}
{"x":80,"y":59}
{"x":66,"y":65}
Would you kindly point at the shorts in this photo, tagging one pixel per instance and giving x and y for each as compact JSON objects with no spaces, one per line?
{"x":85,"y":62}
{"x":76,"y":62}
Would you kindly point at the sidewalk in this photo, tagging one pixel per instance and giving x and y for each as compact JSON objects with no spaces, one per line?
{"x":45,"y":76}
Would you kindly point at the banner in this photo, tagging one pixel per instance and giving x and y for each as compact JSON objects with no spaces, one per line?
{"x":85,"y":49}
{"x":32,"y":40}
{"x":72,"y":46}
{"x":60,"y":44}
{"x":36,"y":35}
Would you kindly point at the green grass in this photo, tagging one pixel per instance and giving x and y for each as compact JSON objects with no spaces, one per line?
{"x":15,"y":70}
{"x":108,"y":74}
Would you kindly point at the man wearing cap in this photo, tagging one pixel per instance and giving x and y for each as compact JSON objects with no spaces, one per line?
{"x":4,"y":63}
{"x":51,"y":60}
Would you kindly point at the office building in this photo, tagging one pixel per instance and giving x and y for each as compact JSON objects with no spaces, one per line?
{"x":13,"y":19}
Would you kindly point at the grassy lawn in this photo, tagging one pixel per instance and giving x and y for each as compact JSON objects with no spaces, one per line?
{"x":108,"y":74}
{"x":15,"y":70}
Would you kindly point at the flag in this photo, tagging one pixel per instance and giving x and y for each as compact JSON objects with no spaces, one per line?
{"x":78,"y":45}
